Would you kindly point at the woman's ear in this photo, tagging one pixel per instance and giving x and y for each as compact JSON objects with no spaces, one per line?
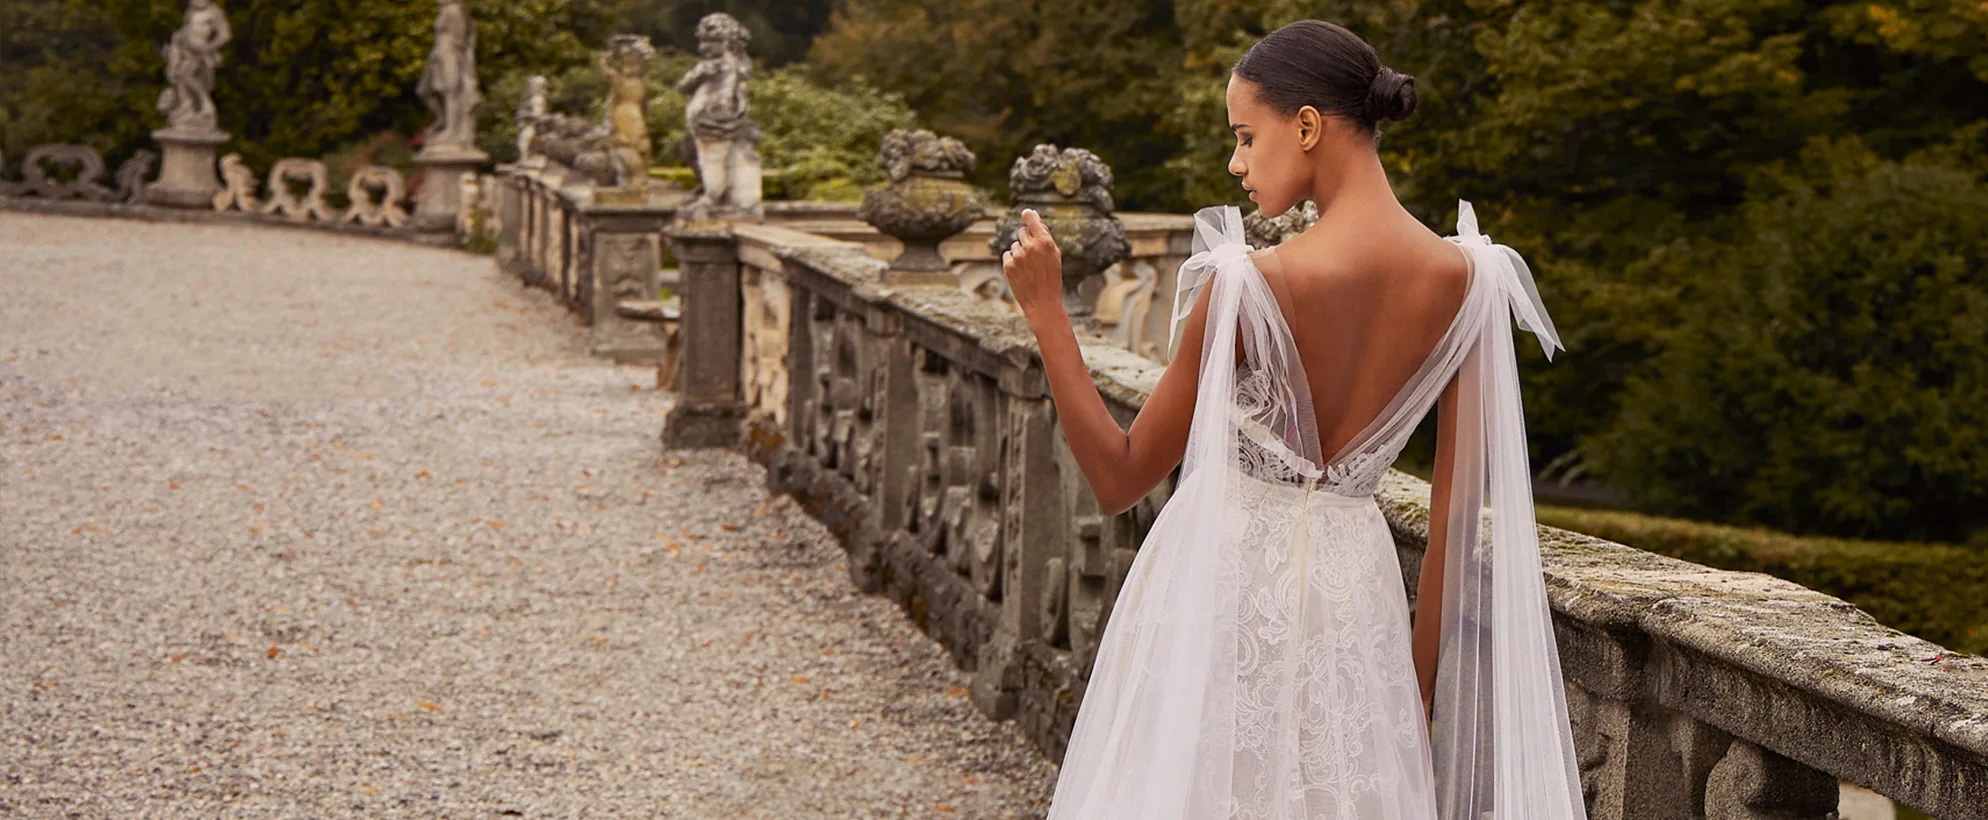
{"x":1311,"y":128}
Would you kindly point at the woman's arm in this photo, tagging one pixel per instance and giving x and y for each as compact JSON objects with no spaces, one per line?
{"x":1428,"y":629}
{"x":1121,"y":466}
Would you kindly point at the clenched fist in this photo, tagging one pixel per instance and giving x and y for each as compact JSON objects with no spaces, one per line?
{"x":1034,"y":267}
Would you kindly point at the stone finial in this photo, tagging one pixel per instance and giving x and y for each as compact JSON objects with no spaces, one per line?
{"x":238,"y":186}
{"x":1071,"y":189}
{"x":626,"y":64}
{"x":926,"y":201}
{"x":191,"y":57}
{"x":1268,"y":231}
{"x":448,"y":84}
{"x":721,"y":131}
{"x":530,"y":109}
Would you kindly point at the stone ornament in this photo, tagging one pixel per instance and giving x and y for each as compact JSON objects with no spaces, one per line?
{"x":926,"y":200}
{"x":721,"y":131}
{"x":86,"y":185}
{"x":386,"y":210}
{"x":282,"y":200}
{"x":626,"y":64}
{"x":530,"y":109}
{"x":448,"y":84}
{"x":1269,"y":231}
{"x":191,"y":57}
{"x":131,"y":176}
{"x":1071,"y":190}
{"x":237,"y":186}
{"x":577,"y":144}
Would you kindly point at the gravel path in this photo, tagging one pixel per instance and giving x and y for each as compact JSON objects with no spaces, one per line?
{"x":295,"y":524}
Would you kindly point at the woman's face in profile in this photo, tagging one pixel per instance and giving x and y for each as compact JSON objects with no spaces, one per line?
{"x":1273,"y":168}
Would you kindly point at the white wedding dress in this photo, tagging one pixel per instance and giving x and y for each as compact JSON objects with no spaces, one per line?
{"x":1255,"y":664}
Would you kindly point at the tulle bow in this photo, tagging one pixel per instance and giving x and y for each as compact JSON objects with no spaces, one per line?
{"x":1514,"y":279}
{"x":1218,"y":245}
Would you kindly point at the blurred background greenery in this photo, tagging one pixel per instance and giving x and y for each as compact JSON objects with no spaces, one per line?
{"x":1761,"y":225}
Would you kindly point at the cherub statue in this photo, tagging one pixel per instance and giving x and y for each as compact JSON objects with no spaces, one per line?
{"x":721,"y":130}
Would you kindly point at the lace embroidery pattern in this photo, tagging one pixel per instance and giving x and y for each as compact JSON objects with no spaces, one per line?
{"x":1329,"y":702}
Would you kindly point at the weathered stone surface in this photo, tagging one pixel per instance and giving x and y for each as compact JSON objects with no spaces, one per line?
{"x":191,"y":57}
{"x":239,"y":190}
{"x":131,"y":184}
{"x":285,"y":202}
{"x":722,"y":137}
{"x":626,"y":65}
{"x":1071,"y":190}
{"x":925,"y":201}
{"x":85,"y":183}
{"x":448,"y":84}
{"x":186,"y":171}
{"x":365,"y":209}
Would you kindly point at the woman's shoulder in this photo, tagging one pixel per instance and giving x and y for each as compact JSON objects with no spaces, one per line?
{"x":1363,"y":253}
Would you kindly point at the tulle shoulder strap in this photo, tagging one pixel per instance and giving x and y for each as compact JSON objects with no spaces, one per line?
{"x":1218,"y":244}
{"x":1512,"y":278}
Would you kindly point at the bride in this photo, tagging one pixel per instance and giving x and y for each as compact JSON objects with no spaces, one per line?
{"x":1259,"y":660}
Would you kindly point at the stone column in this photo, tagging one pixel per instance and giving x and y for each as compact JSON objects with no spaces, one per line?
{"x":709,"y":407}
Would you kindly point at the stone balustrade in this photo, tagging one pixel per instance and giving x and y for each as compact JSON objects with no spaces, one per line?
{"x":916,"y":424}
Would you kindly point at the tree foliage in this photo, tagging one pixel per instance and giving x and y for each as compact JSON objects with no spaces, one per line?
{"x":300,"y":77}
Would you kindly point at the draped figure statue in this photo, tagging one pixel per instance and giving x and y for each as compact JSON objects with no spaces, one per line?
{"x":448,"y":85}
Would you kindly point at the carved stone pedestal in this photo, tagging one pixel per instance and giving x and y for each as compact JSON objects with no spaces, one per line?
{"x":442,"y":170}
{"x":186,"y":173}
{"x":709,"y":405}
{"x":625,"y":270}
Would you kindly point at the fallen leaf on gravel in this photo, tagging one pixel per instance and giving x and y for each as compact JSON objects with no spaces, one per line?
{"x":944,"y":807}
{"x":699,"y":569}
{"x":429,"y":705}
{"x":673,"y":461}
{"x":424,"y":475}
{"x":800,"y":679}
{"x":273,"y":652}
{"x":489,"y":382}
{"x":495,"y":524}
{"x":855,"y":722}
{"x":377,"y":503}
{"x":596,"y":639}
{"x":956,"y":691}
{"x":729,"y":527}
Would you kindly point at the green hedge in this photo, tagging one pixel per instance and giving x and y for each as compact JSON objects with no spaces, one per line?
{"x":1938,"y":592}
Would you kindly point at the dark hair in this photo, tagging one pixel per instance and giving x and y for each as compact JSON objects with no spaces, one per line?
{"x":1315,"y":63}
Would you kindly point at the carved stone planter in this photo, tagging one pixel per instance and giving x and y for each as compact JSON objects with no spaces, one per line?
{"x":926,"y":201}
{"x":1071,"y":190}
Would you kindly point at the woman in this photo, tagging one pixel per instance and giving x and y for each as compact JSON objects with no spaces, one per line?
{"x":1259,"y":660}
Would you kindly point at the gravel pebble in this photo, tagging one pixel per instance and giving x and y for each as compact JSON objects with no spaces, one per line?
{"x":311,"y":525}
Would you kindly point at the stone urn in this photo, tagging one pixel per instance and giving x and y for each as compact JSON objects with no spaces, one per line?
{"x":926,"y":201}
{"x":1071,"y":190}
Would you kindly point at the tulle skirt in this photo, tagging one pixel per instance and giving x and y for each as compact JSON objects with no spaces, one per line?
{"x":1255,"y":666}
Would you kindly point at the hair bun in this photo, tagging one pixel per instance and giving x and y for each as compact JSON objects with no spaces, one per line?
{"x":1391,"y":96}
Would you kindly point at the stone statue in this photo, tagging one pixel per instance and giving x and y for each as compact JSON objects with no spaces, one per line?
{"x":530,"y":109}
{"x":448,"y":85}
{"x":723,"y":134}
{"x":191,"y":57}
{"x":626,"y":63}
{"x":131,"y":176}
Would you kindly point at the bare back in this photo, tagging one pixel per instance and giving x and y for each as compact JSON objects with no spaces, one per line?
{"x":1367,"y":299}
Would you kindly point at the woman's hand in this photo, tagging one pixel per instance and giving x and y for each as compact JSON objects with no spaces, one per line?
{"x":1034,"y":268}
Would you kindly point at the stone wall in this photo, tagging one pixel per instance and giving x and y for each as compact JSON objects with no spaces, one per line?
{"x":915,"y":423}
